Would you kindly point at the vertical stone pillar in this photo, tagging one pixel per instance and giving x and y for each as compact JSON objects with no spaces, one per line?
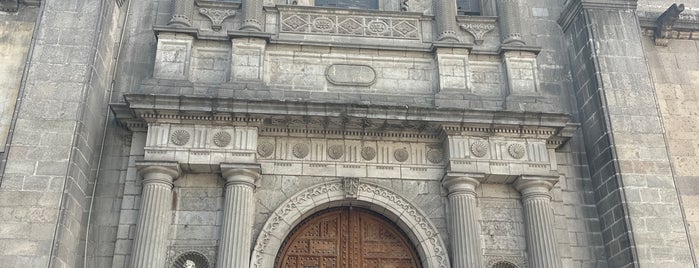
{"x":238,"y":212}
{"x":445,"y":16}
{"x":182,"y":13}
{"x":542,"y":248}
{"x":508,"y":18}
{"x":150,"y":243}
{"x":252,"y":15}
{"x":463,"y":221}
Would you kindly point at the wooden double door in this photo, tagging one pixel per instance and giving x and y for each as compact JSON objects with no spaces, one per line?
{"x":347,"y":238}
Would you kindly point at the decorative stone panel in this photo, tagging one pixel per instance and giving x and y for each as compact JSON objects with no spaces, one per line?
{"x":200,"y":147}
{"x":172,"y":57}
{"x":349,"y":23}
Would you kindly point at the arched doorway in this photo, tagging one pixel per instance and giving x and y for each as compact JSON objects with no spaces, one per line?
{"x":347,"y":237}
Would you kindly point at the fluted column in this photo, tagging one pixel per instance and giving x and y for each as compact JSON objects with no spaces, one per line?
{"x":508,"y":18}
{"x":445,"y":17}
{"x":252,"y":15}
{"x":182,"y":13}
{"x":150,"y":243}
{"x":238,"y":213}
{"x":463,"y":221}
{"x":542,"y":248}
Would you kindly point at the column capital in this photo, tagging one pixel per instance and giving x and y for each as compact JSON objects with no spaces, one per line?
{"x":240,"y":173}
{"x":532,"y":185}
{"x":462,"y":182}
{"x":156,"y":171}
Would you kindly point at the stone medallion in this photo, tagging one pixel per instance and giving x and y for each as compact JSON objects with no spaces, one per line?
{"x":479,"y":148}
{"x":179,"y":137}
{"x":368,"y":153}
{"x":265,"y":149}
{"x":516,"y":150}
{"x":222,"y":139}
{"x":336,"y":151}
{"x":401,"y":154}
{"x":435,"y":156}
{"x":300,"y":150}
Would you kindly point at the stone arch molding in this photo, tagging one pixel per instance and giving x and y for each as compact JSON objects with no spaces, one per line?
{"x":411,"y":219}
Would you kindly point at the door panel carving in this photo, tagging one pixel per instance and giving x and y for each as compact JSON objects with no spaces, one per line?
{"x":347,"y":238}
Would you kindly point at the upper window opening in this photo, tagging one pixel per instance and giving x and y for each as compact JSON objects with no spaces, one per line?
{"x":468,"y":7}
{"x":353,"y":4}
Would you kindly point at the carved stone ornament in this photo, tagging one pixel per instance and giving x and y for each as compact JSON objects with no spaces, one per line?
{"x":336,"y":151}
{"x":516,"y":150}
{"x":179,"y":137}
{"x":427,"y":237}
{"x":217,"y":16}
{"x":368,"y":153}
{"x":222,"y":139}
{"x":478,"y":30}
{"x":479,"y":148}
{"x":311,"y":22}
{"x":351,"y":186}
{"x":404,"y":5}
{"x":300,"y":150}
{"x":401,"y":154}
{"x":435,"y":155}
{"x":265,"y":149}
{"x":350,"y":75}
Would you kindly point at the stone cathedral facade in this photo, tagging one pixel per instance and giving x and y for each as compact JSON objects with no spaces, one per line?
{"x":349,"y":133}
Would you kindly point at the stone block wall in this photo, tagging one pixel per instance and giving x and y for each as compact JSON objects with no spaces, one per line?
{"x":675,"y":73}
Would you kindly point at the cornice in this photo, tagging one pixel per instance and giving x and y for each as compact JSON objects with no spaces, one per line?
{"x":309,"y":118}
{"x":573,"y":7}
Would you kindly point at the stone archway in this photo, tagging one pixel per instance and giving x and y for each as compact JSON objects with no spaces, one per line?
{"x":420,"y":231}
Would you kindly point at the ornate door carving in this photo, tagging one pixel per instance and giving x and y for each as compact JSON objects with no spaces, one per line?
{"x":347,"y":238}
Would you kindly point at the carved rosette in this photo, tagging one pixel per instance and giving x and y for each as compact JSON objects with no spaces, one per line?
{"x":265,"y":149}
{"x":401,"y":154}
{"x":179,"y":137}
{"x":217,"y":16}
{"x":300,"y":150}
{"x":435,"y":155}
{"x":477,"y":30}
{"x":336,"y":151}
{"x":222,"y":139}
{"x":516,"y":150}
{"x":368,"y":153}
{"x":479,"y":148}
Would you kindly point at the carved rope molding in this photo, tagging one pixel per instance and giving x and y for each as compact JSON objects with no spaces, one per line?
{"x":291,"y":211}
{"x":217,"y":16}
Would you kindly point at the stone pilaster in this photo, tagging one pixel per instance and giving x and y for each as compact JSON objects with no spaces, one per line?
{"x":466,"y":249}
{"x":252,"y":15}
{"x":542,"y":249}
{"x":445,"y":16}
{"x":182,"y":13}
{"x":508,"y":18}
{"x":238,"y":212}
{"x":150,"y":243}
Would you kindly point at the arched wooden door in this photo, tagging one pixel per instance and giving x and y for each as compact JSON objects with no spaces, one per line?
{"x":347,"y":238}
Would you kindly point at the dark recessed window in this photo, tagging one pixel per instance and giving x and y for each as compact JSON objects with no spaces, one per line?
{"x":468,"y":7}
{"x":354,"y":4}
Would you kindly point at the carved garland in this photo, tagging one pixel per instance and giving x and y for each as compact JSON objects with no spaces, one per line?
{"x":303,"y":202}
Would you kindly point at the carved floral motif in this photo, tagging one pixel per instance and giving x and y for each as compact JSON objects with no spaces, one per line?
{"x":350,"y":24}
{"x":300,"y":150}
{"x":479,"y":148}
{"x":435,"y":155}
{"x":179,"y":137}
{"x":222,"y":139}
{"x":478,"y":30}
{"x":217,"y":16}
{"x":368,"y":153}
{"x":265,"y":149}
{"x":336,"y":151}
{"x":516,"y":150}
{"x":401,"y":154}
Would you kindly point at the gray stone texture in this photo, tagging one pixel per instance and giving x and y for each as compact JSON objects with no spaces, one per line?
{"x":70,"y":192}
